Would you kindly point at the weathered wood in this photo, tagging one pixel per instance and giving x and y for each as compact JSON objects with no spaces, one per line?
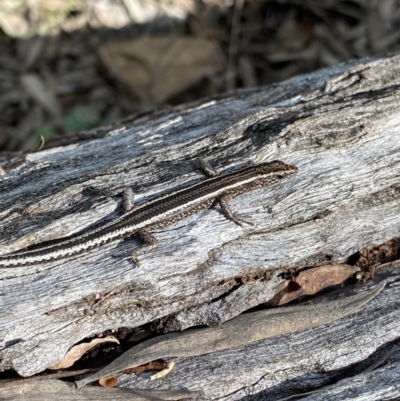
{"x":241,"y":331}
{"x":341,"y":128}
{"x":290,"y":364}
{"x":382,"y":384}
{"x":43,"y":390}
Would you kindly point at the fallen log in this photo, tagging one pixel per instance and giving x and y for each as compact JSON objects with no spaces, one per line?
{"x":340,"y":128}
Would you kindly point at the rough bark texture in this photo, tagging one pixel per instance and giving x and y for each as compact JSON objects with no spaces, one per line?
{"x":340,"y":127}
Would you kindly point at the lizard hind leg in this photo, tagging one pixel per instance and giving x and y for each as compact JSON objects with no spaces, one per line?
{"x":227,"y":212}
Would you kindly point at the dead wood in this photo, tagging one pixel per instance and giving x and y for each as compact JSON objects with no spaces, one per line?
{"x":339,"y":126}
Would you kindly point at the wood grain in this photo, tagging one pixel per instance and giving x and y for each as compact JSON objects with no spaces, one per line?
{"x":340,"y":126}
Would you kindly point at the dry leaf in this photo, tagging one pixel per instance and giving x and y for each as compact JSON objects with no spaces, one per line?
{"x":13,"y":23}
{"x":140,"y":335}
{"x":313,"y":280}
{"x":111,"y":15}
{"x":42,"y":93}
{"x":156,"y":69}
{"x":77,"y":351}
{"x":163,"y":372}
{"x":153,"y":365}
{"x":108,"y":382}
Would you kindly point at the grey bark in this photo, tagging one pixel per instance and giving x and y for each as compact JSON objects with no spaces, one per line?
{"x":335,"y":354}
{"x":341,"y":128}
{"x":43,"y":390}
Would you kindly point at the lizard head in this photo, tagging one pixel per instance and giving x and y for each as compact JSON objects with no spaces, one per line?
{"x":276,"y":168}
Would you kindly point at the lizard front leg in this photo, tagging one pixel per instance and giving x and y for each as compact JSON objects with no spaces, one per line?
{"x":223,"y":200}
